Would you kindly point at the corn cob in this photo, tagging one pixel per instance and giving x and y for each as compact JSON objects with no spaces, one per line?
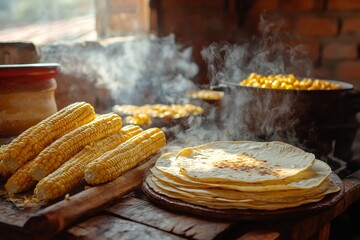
{"x":3,"y":172}
{"x":20,"y":181}
{"x":124,"y":157}
{"x":53,"y":156}
{"x":69,"y":175}
{"x":32,"y":141}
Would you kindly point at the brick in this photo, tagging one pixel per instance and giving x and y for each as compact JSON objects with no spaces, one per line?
{"x":351,"y":26}
{"x":174,"y":22}
{"x":310,"y":48}
{"x":317,"y":26}
{"x":300,"y":6}
{"x":349,"y":72}
{"x":263,"y":5}
{"x":222,"y":25}
{"x":343,"y":4}
{"x":255,"y":13}
{"x":337,"y":50}
{"x":323,"y":73}
{"x":193,"y":4}
{"x":199,"y":23}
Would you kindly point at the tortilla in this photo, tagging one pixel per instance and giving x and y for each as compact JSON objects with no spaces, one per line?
{"x":310,"y":178}
{"x":243,"y":161}
{"x":235,"y":196}
{"x":217,"y":203}
{"x":242,"y":175}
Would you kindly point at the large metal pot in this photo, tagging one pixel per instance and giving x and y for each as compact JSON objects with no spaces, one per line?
{"x":308,"y":119}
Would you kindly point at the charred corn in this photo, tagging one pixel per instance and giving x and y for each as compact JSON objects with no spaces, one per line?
{"x":20,"y":181}
{"x":31,"y":142}
{"x":53,"y":156}
{"x":62,"y":180}
{"x":124,"y":157}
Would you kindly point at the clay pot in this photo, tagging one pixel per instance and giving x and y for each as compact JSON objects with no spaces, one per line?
{"x":27,"y":95}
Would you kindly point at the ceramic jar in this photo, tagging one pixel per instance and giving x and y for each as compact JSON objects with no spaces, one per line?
{"x":27,"y":95}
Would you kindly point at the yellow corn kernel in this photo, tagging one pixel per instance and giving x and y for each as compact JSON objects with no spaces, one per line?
{"x":70,"y":174}
{"x":124,"y":157}
{"x":31,"y":142}
{"x":67,"y":197}
{"x":139,"y":119}
{"x":206,"y":94}
{"x":53,"y":156}
{"x":160,"y":110}
{"x":288,"y":82}
{"x":20,"y":181}
{"x":3,"y":172}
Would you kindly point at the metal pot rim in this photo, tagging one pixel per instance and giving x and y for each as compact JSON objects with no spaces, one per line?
{"x":345,"y":86}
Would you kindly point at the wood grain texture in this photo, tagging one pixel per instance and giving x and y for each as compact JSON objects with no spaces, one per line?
{"x":53,"y":219}
{"x":10,"y":215}
{"x":309,"y":226}
{"x":190,"y":227}
{"x":260,"y":235}
{"x":110,"y":227}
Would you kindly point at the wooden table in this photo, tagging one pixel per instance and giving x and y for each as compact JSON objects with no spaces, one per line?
{"x":134,"y":217}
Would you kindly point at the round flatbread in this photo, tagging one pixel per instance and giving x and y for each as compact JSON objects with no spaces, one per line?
{"x":243,"y":161}
{"x":167,"y":169}
{"x":229,"y":195}
{"x":220,"y":203}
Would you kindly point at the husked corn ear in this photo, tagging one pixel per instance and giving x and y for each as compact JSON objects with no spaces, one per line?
{"x":124,"y":157}
{"x":3,"y":172}
{"x":32,"y":141}
{"x":62,"y":180}
{"x":53,"y":156}
{"x":20,"y":181}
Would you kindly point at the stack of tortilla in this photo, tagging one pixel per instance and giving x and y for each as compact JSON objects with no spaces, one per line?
{"x":242,"y":175}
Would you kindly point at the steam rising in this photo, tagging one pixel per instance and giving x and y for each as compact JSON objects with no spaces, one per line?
{"x":151,"y":70}
{"x":249,"y":114}
{"x":157,"y":70}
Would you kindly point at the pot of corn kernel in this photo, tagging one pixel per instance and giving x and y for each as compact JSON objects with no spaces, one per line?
{"x":26,"y":95}
{"x":290,"y":109}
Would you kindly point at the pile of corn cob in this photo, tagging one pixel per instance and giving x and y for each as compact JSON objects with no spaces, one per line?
{"x":74,"y":143}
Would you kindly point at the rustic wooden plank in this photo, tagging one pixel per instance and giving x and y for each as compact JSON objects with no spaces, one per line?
{"x":111,"y":227}
{"x":144,"y":212}
{"x":307,"y":227}
{"x":53,"y":219}
{"x":12,"y":216}
{"x":260,"y":235}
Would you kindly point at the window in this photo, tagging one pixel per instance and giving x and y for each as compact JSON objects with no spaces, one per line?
{"x":44,"y":21}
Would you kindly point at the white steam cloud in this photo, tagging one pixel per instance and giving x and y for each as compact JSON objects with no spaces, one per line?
{"x":158,"y":70}
{"x":252,"y":114}
{"x":149,"y":70}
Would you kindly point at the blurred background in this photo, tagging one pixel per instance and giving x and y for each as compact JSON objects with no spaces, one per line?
{"x":330,"y":29}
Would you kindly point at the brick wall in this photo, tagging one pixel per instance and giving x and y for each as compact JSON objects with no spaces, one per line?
{"x":331,"y":28}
